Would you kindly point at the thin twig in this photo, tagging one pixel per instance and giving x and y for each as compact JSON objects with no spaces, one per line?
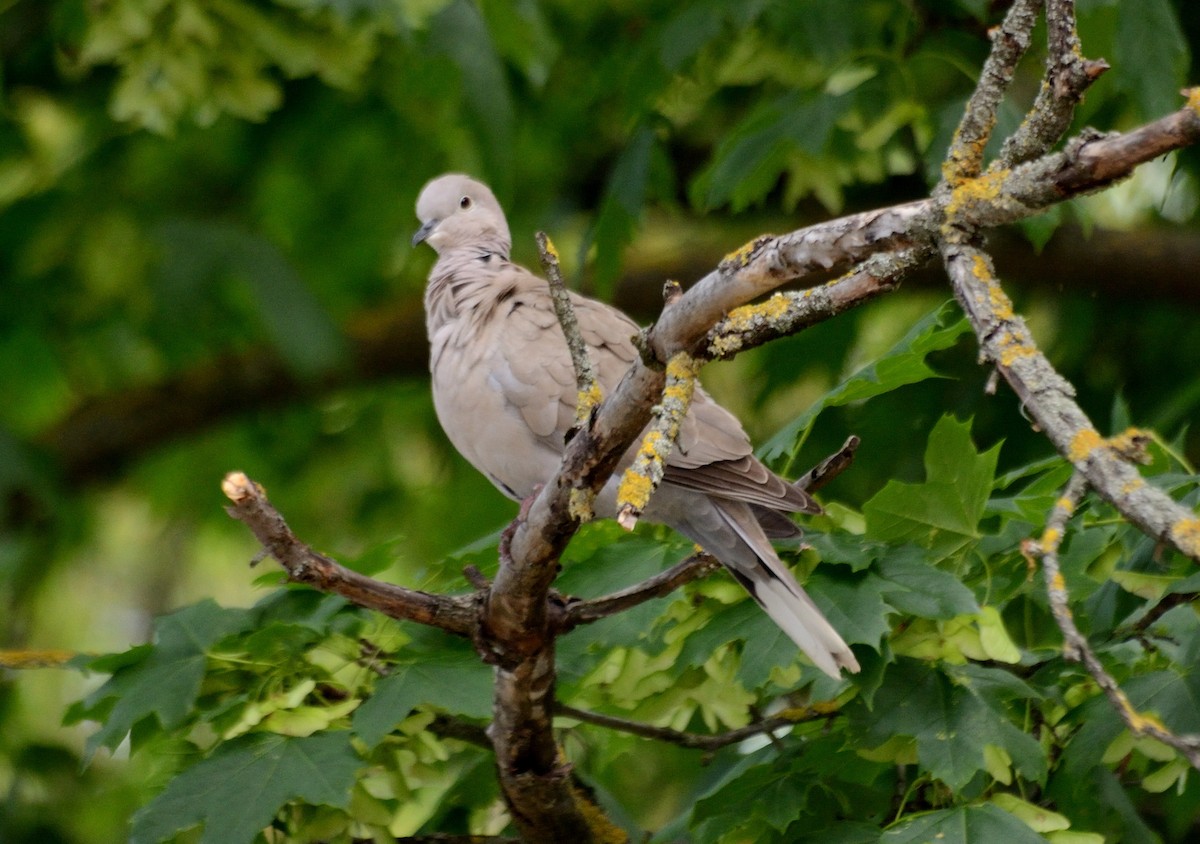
{"x":447,"y":726}
{"x":452,"y":613}
{"x":1010,"y":40}
{"x":831,"y":466}
{"x":1167,"y":603}
{"x":699,"y":741}
{"x":1075,"y":645}
{"x":1068,"y":75}
{"x":787,"y":313}
{"x":660,"y":585}
{"x":585,"y":373}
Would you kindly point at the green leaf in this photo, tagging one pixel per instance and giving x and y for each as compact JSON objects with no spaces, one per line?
{"x":166,"y":682}
{"x":624,"y":196}
{"x":1152,"y":77}
{"x":603,"y":559}
{"x":852,"y":603}
{"x":943,"y":512}
{"x":951,"y":722}
{"x":766,"y":645}
{"x":772,"y":794}
{"x":915,"y":587}
{"x":749,"y":161}
{"x":237,"y":790}
{"x":460,"y":32}
{"x":460,"y":684}
{"x":846,"y":832}
{"x":903,"y":364}
{"x":984,"y":824}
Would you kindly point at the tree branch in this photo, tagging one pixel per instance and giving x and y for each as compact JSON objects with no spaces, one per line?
{"x":1075,"y":645}
{"x":1010,"y":40}
{"x":585,"y":372}
{"x":659,"y":586}
{"x":516,"y":617}
{"x":1068,"y":75}
{"x":699,"y":741}
{"x":454,"y":614}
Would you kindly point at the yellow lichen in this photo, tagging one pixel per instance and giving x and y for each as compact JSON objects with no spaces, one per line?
{"x":587,"y":399}
{"x":1050,"y":538}
{"x":1130,"y":443}
{"x":740,"y":257}
{"x":1001,"y":304}
{"x":1139,"y":722}
{"x":1013,"y":346}
{"x":725,"y":344}
{"x":579,"y":504}
{"x":634,"y":490}
{"x":985,"y":188}
{"x":1083,"y":444}
{"x":965,"y":155}
{"x":981,"y":269}
{"x":1186,"y":533}
{"x":642,"y":478}
{"x":1065,"y":504}
{"x":744,"y":319}
{"x":603,"y":830}
{"x":682,"y":368}
{"x":1193,"y":99}
{"x":550,"y":250}
{"x":1132,"y":484}
{"x":1057,"y":583}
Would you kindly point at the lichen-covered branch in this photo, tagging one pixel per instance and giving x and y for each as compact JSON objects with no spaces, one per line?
{"x":454,"y":614}
{"x":1049,"y":401}
{"x":787,"y":313}
{"x":1075,"y":645}
{"x":1010,"y":40}
{"x":585,"y":373}
{"x":642,"y":478}
{"x":1068,"y":75}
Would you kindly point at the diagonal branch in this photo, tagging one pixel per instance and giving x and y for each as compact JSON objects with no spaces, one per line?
{"x":585,"y":372}
{"x":454,"y":614}
{"x":1010,"y":40}
{"x":1068,"y":75}
{"x":1075,"y":645}
{"x":660,"y":585}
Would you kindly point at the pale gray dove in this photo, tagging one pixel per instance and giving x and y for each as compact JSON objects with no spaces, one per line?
{"x":504,"y":391}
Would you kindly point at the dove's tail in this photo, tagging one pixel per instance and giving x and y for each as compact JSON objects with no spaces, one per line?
{"x":730,"y":531}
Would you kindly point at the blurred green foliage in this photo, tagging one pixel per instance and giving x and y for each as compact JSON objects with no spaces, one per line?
{"x":197,"y":195}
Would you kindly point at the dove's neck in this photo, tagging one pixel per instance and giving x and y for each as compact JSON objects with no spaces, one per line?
{"x":462,"y":286}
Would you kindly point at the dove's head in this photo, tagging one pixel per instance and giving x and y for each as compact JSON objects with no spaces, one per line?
{"x":456,"y":211}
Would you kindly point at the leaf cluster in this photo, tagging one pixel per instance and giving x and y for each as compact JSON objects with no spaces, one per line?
{"x":966,"y":723}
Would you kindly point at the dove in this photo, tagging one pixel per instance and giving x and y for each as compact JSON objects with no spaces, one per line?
{"x":504,"y":392}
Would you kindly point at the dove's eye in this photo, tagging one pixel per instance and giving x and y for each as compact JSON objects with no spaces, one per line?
{"x":464,"y":203}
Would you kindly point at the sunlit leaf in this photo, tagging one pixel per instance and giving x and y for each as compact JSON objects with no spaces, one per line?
{"x":964,"y":825}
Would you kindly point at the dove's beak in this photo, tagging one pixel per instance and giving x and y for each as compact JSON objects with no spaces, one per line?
{"x":424,"y":232}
